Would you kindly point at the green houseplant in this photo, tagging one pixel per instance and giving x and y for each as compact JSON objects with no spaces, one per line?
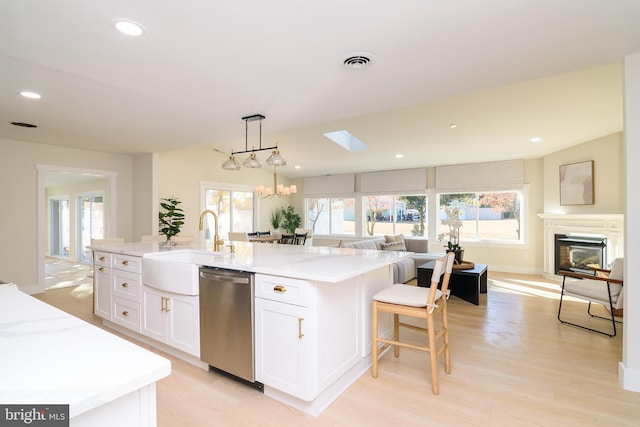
{"x":170,"y":218}
{"x":276,"y":219}
{"x":291,"y":220}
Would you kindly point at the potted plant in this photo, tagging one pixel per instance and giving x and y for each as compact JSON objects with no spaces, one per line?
{"x":454,"y":223}
{"x":291,"y":220}
{"x":171,"y":217}
{"x":276,"y":220}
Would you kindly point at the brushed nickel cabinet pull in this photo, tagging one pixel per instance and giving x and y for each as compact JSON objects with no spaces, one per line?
{"x":279,"y":288}
{"x":125,"y":313}
{"x":102,"y":258}
{"x":125,"y":262}
{"x":125,"y":285}
{"x":101,"y":269}
{"x":300,"y":334}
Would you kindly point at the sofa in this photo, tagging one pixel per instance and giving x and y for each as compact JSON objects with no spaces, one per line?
{"x":405,"y":269}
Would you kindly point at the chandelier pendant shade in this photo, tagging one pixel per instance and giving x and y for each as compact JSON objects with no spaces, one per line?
{"x":275,"y":159}
{"x":252,"y":162}
{"x":277,"y":189}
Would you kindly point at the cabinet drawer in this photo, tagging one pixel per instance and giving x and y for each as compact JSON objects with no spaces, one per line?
{"x":102,"y":259}
{"x":127,"y":263}
{"x":283,"y":289}
{"x":126,"y":285}
{"x":126,"y":313}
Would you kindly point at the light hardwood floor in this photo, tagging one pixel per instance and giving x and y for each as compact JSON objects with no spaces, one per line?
{"x":513,"y":364}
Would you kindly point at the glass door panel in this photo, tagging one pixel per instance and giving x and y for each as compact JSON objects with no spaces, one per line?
{"x":90,"y":223}
{"x":59,"y":227}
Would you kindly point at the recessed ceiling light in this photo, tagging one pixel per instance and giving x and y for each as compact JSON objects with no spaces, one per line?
{"x":399,"y":156}
{"x":31,"y":95}
{"x":129,"y":28}
{"x":536,"y":139}
{"x":297,"y":166}
{"x":453,"y":125}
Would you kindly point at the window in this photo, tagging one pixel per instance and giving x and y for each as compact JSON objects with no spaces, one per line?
{"x":485,"y":216}
{"x":331,"y":215}
{"x":234,"y":208}
{"x":394,"y":214}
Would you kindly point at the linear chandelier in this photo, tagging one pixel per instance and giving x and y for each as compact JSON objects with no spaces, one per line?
{"x":275,"y":159}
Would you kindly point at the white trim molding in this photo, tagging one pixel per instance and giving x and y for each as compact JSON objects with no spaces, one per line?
{"x":610,"y":226}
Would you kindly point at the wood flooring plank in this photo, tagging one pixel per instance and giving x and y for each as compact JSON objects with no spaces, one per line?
{"x":513,"y":364}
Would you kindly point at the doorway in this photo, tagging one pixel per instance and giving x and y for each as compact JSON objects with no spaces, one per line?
{"x":95,"y":191}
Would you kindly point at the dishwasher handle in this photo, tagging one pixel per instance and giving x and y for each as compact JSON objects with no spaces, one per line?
{"x":223,"y":278}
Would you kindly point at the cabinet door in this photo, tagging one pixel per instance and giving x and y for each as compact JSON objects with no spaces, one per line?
{"x":154,"y":319}
{"x":284,"y":337}
{"x":102,"y":291}
{"x":184,"y":323}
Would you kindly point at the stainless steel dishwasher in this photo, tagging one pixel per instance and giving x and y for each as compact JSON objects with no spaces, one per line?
{"x":226,"y":323}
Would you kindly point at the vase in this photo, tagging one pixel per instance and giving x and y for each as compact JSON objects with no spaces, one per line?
{"x":459,"y":255}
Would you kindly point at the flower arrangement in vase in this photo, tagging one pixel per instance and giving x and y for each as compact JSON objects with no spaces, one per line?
{"x":454,"y":223}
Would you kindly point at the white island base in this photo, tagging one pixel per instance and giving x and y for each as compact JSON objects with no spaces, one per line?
{"x":51,"y":357}
{"x":311,"y":348}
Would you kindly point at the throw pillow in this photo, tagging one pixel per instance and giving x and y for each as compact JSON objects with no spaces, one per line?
{"x":396,"y":239}
{"x":394,"y":246}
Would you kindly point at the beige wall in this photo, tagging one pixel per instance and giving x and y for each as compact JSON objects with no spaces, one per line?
{"x":22,"y":249}
{"x":608,"y":173}
{"x":180,"y":173}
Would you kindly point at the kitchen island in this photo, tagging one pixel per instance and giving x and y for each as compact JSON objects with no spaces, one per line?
{"x":312,"y":308}
{"x":50,"y":357}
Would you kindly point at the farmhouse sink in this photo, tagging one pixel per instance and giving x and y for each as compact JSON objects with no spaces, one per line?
{"x":176,"y":272}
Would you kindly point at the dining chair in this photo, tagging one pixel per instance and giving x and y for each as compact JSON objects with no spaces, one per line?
{"x":420,"y":302}
{"x":309,"y":240}
{"x":602,"y":286}
{"x":299,"y":238}
{"x":287,"y":239}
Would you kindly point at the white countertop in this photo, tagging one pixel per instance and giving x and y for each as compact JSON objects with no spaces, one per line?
{"x":321,"y":263}
{"x":50,"y":357}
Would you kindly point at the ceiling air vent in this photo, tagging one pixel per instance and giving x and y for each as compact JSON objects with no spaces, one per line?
{"x":358,"y":60}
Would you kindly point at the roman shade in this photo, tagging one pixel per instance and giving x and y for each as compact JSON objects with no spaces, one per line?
{"x":489,"y":176}
{"x":394,"y":182}
{"x":330,"y":185}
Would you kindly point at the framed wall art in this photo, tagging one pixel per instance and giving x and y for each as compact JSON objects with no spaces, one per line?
{"x":576,"y":183}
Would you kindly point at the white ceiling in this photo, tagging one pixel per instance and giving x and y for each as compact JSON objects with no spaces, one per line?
{"x":504,"y":71}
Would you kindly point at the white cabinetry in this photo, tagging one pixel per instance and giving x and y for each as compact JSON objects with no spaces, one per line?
{"x":172,"y":319}
{"x":102,"y":284}
{"x":117,"y":281}
{"x":285,"y":336}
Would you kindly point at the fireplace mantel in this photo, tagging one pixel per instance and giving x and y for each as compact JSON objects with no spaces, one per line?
{"x":610,"y":226}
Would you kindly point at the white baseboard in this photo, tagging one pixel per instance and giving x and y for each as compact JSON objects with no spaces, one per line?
{"x":629,"y":378}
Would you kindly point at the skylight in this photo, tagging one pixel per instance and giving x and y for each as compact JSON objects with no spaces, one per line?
{"x":346,"y":140}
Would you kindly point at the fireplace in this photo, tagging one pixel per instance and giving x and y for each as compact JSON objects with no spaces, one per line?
{"x":608,"y":227}
{"x":574,"y":252}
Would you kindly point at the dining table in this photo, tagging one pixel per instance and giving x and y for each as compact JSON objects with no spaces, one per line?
{"x":264,"y":239}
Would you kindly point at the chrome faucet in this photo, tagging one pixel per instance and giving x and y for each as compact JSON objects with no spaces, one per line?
{"x":217,"y":243}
